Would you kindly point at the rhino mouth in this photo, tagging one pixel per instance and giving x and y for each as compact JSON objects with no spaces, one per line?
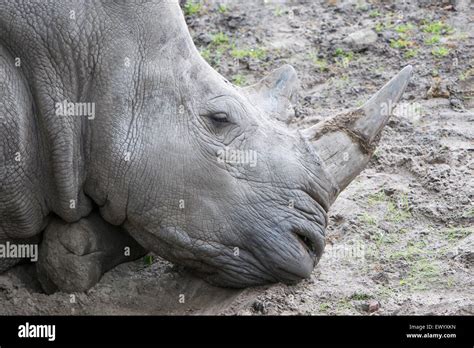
{"x":286,"y":262}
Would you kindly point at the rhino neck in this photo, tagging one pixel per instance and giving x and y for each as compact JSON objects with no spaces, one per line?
{"x":141,"y":102}
{"x":115,"y":58}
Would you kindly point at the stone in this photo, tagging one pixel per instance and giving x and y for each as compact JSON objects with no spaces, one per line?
{"x":204,"y":38}
{"x":374,"y":306}
{"x":361,"y":40}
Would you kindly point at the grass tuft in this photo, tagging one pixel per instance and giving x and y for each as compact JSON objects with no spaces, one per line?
{"x":192,"y":8}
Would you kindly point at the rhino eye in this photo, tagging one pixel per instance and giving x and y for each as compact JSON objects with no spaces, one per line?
{"x":218,"y":120}
{"x":219,"y":117}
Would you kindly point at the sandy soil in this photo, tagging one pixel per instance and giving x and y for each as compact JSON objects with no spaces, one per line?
{"x":400,"y":237}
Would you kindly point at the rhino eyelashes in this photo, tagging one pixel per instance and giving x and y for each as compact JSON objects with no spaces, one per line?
{"x":219,"y":117}
{"x":218,"y":120}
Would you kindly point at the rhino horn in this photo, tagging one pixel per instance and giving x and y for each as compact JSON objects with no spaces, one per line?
{"x":346,"y":141}
{"x":275,"y":92}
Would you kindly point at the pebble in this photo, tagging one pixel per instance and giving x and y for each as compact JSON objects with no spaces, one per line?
{"x":259,"y":306}
{"x":204,"y":38}
{"x":374,"y":306}
{"x":361,"y":40}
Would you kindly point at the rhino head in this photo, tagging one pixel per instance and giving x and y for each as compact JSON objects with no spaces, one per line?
{"x":197,"y":170}
{"x":218,"y":184}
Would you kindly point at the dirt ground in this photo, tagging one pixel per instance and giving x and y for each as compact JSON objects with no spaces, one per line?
{"x":400,"y":237}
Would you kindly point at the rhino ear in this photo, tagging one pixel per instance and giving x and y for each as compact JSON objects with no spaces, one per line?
{"x":276,"y":92}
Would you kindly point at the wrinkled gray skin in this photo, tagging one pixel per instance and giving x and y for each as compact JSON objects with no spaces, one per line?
{"x":158,"y":102}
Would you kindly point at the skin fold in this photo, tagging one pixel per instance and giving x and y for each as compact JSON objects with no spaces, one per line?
{"x":149,"y":162}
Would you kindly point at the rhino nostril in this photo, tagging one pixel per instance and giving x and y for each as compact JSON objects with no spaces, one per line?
{"x":307,"y":242}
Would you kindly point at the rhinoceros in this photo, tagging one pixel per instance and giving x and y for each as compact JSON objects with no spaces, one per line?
{"x":117,"y":139}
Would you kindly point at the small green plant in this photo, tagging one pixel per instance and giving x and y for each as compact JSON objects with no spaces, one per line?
{"x":432,"y":40}
{"x":374,"y":13}
{"x":462,"y":77}
{"x":423,"y":273}
{"x":456,"y":233}
{"x":470,"y":212}
{"x":256,"y":53}
{"x":401,"y":43}
{"x":343,"y":58}
{"x":323,"y":307}
{"x":376,"y":153}
{"x":206,"y":54}
{"x":222,"y":8}
{"x":440,"y":52}
{"x":239,"y":79}
{"x":148,"y":259}
{"x":412,"y":252}
{"x":191,"y":8}
{"x":381,"y":239}
{"x":411,"y":53}
{"x":360,"y":296}
{"x":398,"y":212}
{"x":321,"y":64}
{"x":219,"y":39}
{"x":384,"y":292}
{"x":376,"y":198}
{"x":437,"y":28}
{"x":368,"y":219}
{"x":379,"y":27}
{"x":343,"y":305}
{"x":278,"y":11}
{"x":404,"y":28}
{"x":339,"y":52}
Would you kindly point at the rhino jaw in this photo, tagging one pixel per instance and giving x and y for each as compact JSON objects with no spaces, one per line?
{"x":346,"y":142}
